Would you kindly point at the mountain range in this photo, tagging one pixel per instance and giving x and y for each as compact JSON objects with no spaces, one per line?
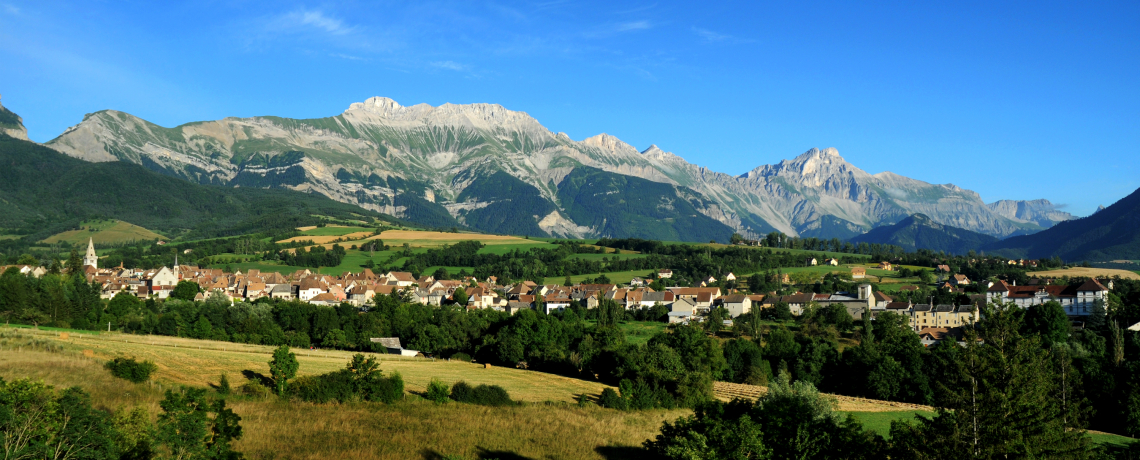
{"x":497,"y":170}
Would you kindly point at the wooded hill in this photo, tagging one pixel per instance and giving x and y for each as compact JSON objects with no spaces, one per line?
{"x":43,"y":192}
{"x":1112,"y":233}
{"x":919,"y":232}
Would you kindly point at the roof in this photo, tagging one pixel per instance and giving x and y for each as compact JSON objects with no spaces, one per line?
{"x":326,"y":297}
{"x":736,"y":298}
{"x":310,"y":283}
{"x":1091,"y":285}
{"x":387,"y":342}
{"x":944,"y":308}
{"x":921,"y":308}
{"x":880,"y":297}
{"x":934,"y":333}
{"x":999,"y":286}
{"x":898,"y":306}
{"x":402,"y":276}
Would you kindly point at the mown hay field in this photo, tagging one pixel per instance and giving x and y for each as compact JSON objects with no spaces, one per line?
{"x":413,"y":428}
{"x":1088,"y":272}
{"x":201,"y":362}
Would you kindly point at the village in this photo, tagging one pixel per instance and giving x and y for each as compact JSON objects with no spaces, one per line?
{"x":932,"y":322}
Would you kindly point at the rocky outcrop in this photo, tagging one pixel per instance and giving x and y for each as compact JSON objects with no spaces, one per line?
{"x":377,"y":150}
{"x":1040,"y":212}
{"x":12,"y":125}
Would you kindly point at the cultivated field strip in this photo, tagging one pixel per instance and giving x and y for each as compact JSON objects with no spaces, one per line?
{"x":726,"y":391}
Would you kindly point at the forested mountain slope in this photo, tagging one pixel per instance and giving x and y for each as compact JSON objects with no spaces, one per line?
{"x":43,"y":191}
{"x":919,"y":232}
{"x":1109,"y":234}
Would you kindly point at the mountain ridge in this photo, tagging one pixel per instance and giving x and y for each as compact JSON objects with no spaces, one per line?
{"x":434,"y":153}
{"x":1108,"y":234}
{"x":918,"y":231}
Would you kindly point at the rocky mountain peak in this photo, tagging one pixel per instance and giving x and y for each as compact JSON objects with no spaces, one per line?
{"x":11,"y":124}
{"x":609,"y":143}
{"x":814,"y":163}
{"x":385,"y":110}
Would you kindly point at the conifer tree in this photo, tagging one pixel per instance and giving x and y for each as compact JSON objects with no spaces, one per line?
{"x":1004,"y":405}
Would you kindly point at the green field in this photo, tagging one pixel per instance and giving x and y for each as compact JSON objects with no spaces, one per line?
{"x":1108,"y":438}
{"x":622,"y":256}
{"x":615,"y":277}
{"x":335,"y":231}
{"x":105,"y":232}
{"x":880,"y":422}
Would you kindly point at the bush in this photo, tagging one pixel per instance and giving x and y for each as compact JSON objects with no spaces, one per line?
{"x":130,"y":369}
{"x":437,"y":391}
{"x":255,"y":389}
{"x":610,"y":399}
{"x":483,"y":395}
{"x":361,"y":379}
{"x":224,"y":385}
{"x":461,"y":357}
{"x":388,"y":390}
{"x":461,"y":391}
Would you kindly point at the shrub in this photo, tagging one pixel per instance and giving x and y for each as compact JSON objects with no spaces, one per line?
{"x":388,"y":390}
{"x":437,"y":391}
{"x":360,"y":380}
{"x":610,"y":399}
{"x":224,"y":385}
{"x":461,"y":391}
{"x":461,"y":357}
{"x":255,"y":389}
{"x":483,"y":395}
{"x":130,"y":369}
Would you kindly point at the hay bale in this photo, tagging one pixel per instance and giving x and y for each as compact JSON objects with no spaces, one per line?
{"x":63,"y":336}
{"x":486,"y":365}
{"x":89,"y":353}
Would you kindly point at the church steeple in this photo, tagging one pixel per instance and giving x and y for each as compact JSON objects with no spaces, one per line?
{"x":91,"y":259}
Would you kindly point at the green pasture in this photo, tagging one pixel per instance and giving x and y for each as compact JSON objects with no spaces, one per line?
{"x":335,"y":231}
{"x":622,"y":256}
{"x":615,"y":277}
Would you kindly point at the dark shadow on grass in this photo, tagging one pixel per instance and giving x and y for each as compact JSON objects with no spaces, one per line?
{"x":625,"y":452}
{"x":482,"y":454}
{"x":258,"y":377}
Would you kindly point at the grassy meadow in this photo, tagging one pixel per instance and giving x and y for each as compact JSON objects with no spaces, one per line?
{"x":414,"y":428}
{"x":104,"y":232}
{"x":545,"y":425}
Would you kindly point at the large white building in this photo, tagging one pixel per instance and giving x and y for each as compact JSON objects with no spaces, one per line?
{"x":1077,"y":300}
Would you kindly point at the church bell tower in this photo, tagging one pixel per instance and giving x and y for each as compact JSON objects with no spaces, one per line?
{"x":91,"y":259}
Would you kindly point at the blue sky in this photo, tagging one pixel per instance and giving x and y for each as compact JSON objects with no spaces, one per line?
{"x":1013,"y":100}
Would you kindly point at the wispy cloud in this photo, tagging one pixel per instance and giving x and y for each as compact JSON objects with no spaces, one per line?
{"x":634,"y":25}
{"x":10,"y":9}
{"x":449,"y":65}
{"x":709,"y":35}
{"x":304,"y":21}
{"x":349,"y":57}
{"x":607,"y":30}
